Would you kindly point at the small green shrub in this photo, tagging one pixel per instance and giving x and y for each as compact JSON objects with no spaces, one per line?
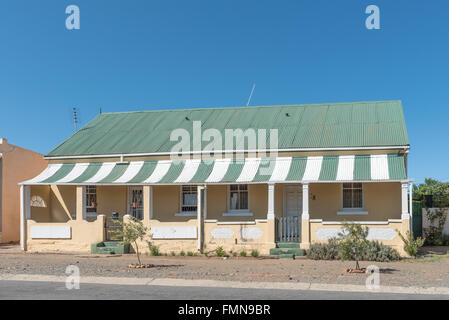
{"x":324,"y":251}
{"x":182,"y":253}
{"x":190,"y":253}
{"x":243,"y":253}
{"x":219,"y":251}
{"x":376,"y":251}
{"x":411,"y":245}
{"x":154,"y":250}
{"x":234,"y":254}
{"x":255,"y":253}
{"x":173,"y":253}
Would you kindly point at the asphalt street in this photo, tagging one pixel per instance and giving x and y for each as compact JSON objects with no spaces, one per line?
{"x":56,"y":290}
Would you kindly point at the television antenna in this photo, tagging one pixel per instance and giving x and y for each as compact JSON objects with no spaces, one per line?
{"x":251,"y":94}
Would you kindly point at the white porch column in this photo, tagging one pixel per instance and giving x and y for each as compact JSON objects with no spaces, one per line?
{"x":199,"y":217}
{"x":410,"y":204}
{"x":305,"y":218}
{"x":404,"y":191}
{"x":305,"y":202}
{"x":25,"y":214}
{"x":80,"y":203}
{"x":270,"y":213}
{"x":205,"y":202}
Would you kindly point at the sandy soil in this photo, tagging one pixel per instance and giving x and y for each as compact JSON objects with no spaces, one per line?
{"x":427,"y":272}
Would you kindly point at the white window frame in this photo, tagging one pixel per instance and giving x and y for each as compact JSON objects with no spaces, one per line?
{"x":352,"y":211}
{"x":181,"y":212}
{"x":238,"y":212}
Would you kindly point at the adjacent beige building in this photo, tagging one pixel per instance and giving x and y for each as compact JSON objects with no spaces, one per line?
{"x":16,"y":165}
{"x":316,"y":167}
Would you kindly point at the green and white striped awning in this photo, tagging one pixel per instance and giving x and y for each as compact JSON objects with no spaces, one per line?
{"x":383,"y":167}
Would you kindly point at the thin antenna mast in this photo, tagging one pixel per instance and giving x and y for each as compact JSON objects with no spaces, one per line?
{"x":251,"y":94}
{"x":75,"y":119}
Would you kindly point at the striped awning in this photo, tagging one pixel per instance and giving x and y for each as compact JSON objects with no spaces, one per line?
{"x":249,"y":170}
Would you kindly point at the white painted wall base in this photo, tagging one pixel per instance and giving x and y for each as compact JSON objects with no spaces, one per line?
{"x":50,"y":232}
{"x":174,"y":232}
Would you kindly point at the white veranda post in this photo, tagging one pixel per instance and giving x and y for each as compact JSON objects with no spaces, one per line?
{"x":199,"y":217}
{"x":270,"y":214}
{"x":25,"y":214}
{"x":404,"y":201}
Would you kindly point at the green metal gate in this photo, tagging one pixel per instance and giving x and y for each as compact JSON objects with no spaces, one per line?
{"x":417,"y":219}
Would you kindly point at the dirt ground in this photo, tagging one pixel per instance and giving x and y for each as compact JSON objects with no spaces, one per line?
{"x":431,"y":270}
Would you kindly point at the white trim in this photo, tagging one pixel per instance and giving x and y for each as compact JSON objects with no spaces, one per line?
{"x":118,"y":155}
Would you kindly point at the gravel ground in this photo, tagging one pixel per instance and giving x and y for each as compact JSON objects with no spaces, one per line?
{"x":432,"y":271}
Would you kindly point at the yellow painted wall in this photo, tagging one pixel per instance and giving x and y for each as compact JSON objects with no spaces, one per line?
{"x":18,"y":165}
{"x":166,"y":204}
{"x":382,"y":201}
{"x":42,"y":214}
{"x":112,"y":198}
{"x":63,"y":203}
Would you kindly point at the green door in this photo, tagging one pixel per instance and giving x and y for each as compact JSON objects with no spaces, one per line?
{"x":417,"y":219}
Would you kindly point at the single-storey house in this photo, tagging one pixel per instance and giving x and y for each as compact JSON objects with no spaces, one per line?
{"x":242,"y":178}
{"x":16,"y":165}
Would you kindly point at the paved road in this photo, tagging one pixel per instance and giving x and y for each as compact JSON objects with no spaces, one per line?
{"x":49,"y":290}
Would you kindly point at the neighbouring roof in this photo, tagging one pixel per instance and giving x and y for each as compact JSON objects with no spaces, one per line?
{"x":331,"y":125}
{"x":346,"y":168}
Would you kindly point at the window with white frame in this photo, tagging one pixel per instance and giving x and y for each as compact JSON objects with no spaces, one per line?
{"x":91,"y":199}
{"x":238,"y":197}
{"x":352,"y":196}
{"x":188,"y":198}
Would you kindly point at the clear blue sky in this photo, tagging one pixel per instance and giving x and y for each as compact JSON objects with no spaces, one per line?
{"x":141,"y":55}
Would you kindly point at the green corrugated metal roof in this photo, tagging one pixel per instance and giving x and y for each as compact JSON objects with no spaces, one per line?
{"x":361,"y":124}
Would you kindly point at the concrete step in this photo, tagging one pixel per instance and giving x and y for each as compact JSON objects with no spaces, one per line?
{"x":287,"y":245}
{"x":278,"y":251}
{"x":286,"y":256}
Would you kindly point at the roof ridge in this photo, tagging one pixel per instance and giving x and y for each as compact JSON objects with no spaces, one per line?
{"x":254,"y":107}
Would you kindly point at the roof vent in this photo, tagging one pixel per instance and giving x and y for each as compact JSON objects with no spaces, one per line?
{"x":287,"y":114}
{"x":187,"y":118}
